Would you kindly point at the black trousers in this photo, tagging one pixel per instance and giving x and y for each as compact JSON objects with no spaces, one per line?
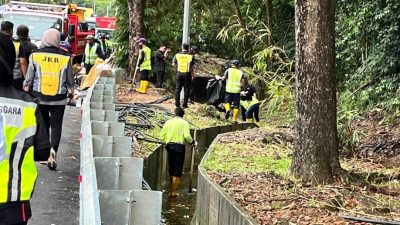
{"x":176,"y":159}
{"x":88,"y":67}
{"x":144,"y":75}
{"x":182,"y":81}
{"x":160,"y":78}
{"x":252,"y":112}
{"x":53,"y":118}
{"x":15,"y":213}
{"x":192,"y":86}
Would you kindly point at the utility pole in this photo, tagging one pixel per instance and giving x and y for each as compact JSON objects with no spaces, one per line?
{"x":186,"y":22}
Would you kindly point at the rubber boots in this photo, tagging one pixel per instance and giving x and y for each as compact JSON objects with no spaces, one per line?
{"x":144,"y":86}
{"x":235,"y":115}
{"x":174,"y":186}
{"x":249,"y":120}
{"x":51,"y":162}
{"x":140,"y":87}
{"x":228,"y":110}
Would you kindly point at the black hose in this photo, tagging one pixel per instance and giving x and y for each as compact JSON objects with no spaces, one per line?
{"x":367,"y":220}
{"x":160,"y":100}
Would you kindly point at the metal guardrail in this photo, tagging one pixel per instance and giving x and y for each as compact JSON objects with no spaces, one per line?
{"x":111,"y":180}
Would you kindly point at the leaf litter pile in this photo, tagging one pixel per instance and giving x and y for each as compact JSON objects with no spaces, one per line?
{"x":252,"y":167}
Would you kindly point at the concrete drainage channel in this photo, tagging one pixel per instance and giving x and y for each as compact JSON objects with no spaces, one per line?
{"x":111,"y":181}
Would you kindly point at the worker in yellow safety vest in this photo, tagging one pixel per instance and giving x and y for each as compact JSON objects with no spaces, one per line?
{"x":233,"y":77}
{"x":249,"y":103}
{"x":174,"y":134}
{"x":184,"y":65}
{"x":49,"y":77}
{"x":23,"y":140}
{"x":105,"y":45}
{"x":144,"y":65}
{"x":92,"y":52}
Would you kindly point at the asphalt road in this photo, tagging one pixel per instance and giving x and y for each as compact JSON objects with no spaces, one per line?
{"x":56,"y":197}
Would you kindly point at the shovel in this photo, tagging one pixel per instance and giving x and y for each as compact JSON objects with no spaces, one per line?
{"x":134,"y":75}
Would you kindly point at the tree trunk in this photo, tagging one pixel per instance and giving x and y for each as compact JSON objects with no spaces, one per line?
{"x":136,"y":30}
{"x":268,"y":20}
{"x":239,"y":13}
{"x":316,"y":156}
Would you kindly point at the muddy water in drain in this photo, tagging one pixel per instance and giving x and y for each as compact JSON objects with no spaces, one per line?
{"x":180,"y":210}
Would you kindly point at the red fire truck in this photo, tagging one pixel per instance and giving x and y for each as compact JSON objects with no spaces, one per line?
{"x":68,"y":19}
{"x":105,"y":25}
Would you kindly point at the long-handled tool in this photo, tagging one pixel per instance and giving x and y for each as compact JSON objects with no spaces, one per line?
{"x":192,"y":164}
{"x":134,"y":75}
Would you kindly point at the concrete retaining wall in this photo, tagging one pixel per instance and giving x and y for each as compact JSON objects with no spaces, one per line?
{"x":214,"y":205}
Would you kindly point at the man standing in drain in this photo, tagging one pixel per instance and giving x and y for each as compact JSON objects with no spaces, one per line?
{"x":174,"y":134}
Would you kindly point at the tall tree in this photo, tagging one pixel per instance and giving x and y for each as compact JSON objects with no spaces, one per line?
{"x":136,"y":29}
{"x":268,"y":19}
{"x":316,"y":156}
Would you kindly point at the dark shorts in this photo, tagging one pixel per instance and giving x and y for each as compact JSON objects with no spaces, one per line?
{"x":233,"y":99}
{"x":144,"y":75}
{"x":176,"y":159}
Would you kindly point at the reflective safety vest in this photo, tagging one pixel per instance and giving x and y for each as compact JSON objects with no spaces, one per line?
{"x":17,"y":168}
{"x":184,"y":61}
{"x":176,"y":130}
{"x":233,"y":81}
{"x":90,"y":54}
{"x":105,"y":46}
{"x":248,"y":104}
{"x":50,"y":74}
{"x":146,"y":64}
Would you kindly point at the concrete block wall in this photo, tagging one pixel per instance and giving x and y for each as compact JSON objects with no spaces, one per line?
{"x":214,"y":206}
{"x":111,"y":181}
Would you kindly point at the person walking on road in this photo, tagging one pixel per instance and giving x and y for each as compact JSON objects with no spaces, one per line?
{"x":144,"y":65}
{"x":92,"y":52}
{"x":23,"y":49}
{"x":174,"y":134}
{"x":184,"y":65}
{"x":233,"y":77}
{"x":249,"y":103}
{"x":23,"y":140}
{"x":159,"y":58}
{"x":49,"y":77}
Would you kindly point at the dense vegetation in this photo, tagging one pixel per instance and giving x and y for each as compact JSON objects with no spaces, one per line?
{"x":367,"y":48}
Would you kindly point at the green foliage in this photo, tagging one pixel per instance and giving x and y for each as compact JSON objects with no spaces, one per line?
{"x":235,"y":157}
{"x":367,"y":52}
{"x":121,"y":35}
{"x":281,"y":102}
